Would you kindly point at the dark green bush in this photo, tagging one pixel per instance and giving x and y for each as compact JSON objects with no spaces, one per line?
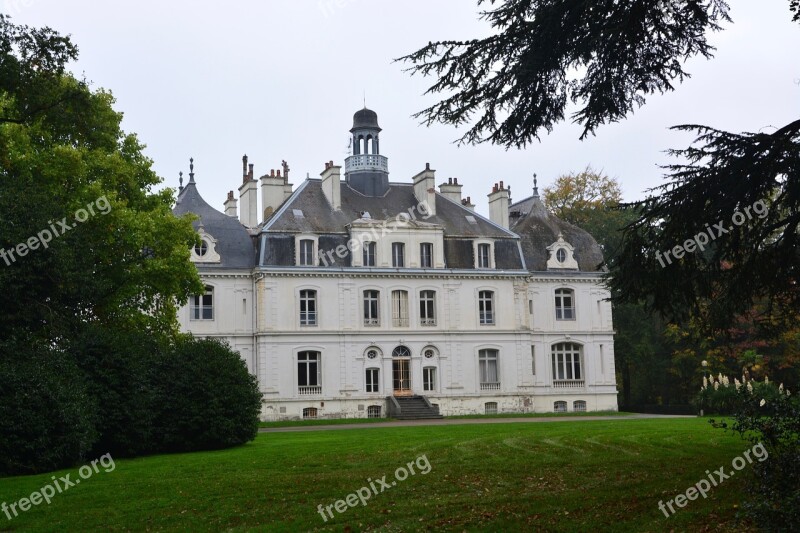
{"x":47,"y":417}
{"x":119,"y":370}
{"x":769,"y":415}
{"x":206,"y":397}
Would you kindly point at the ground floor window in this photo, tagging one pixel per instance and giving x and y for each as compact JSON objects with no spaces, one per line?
{"x":374,"y":411}
{"x":491,"y":408}
{"x":560,"y":407}
{"x":373,"y":383}
{"x":310,"y":412}
{"x":579,"y":405}
{"x":429,"y":378}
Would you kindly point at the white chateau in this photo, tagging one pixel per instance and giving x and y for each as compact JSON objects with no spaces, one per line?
{"x":353,"y":296}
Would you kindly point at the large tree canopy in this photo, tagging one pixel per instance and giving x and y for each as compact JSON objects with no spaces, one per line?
{"x":84,"y":237}
{"x":605,"y":56}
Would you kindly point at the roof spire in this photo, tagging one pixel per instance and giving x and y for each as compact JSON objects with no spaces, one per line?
{"x":180,"y":181}
{"x":191,"y":170}
{"x":535,"y":186}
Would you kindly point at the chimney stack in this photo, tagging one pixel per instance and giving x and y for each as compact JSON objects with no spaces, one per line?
{"x":230,"y":205}
{"x":248,"y":194}
{"x":331,"y":177}
{"x":467,"y":202}
{"x":425,"y":188}
{"x":273,"y":192}
{"x":451,"y":190}
{"x":498,"y":205}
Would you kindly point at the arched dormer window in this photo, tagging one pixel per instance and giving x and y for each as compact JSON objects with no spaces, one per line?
{"x":561,"y":255}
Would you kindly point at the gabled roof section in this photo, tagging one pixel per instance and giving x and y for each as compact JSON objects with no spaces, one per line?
{"x":538,"y":229}
{"x":234,"y":244}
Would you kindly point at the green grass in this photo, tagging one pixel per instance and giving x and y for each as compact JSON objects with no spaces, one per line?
{"x":543,"y":415}
{"x":323,"y":422}
{"x":582,"y":476}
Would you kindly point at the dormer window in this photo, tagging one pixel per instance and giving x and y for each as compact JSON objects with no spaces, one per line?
{"x":561,"y":255}
{"x":204,"y":251}
{"x":398,"y":254}
{"x":306,"y":250}
{"x":484,"y":254}
{"x":201,"y":249}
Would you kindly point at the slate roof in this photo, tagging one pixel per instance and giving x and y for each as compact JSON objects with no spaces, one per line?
{"x":234,"y":244}
{"x":318,"y":217}
{"x":538,"y":229}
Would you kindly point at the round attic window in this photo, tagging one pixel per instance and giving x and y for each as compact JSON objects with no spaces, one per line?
{"x":201,"y":249}
{"x":372,"y":354}
{"x":561,"y":255}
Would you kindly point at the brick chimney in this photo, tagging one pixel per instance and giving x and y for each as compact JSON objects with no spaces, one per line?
{"x":467,"y":202}
{"x":331,"y":177}
{"x":451,"y":190}
{"x":498,"y":205}
{"x":425,"y":188}
{"x":248,"y":194}
{"x":230,"y":205}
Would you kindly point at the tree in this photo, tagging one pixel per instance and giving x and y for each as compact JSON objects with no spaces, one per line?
{"x":84,"y":238}
{"x":607,"y":56}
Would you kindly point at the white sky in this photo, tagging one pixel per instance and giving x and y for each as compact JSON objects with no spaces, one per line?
{"x":281,"y":79}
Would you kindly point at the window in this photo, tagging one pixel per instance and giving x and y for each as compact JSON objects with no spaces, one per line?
{"x":560,"y":407}
{"x":310,"y":412}
{"x":202,"y":305}
{"x":487,"y":362}
{"x":401,"y":351}
{"x":427,"y":308}
{"x":490,"y":408}
{"x":201,"y":249}
{"x":579,"y":406}
{"x":486,"y":307}
{"x":561,"y":255}
{"x":374,"y":411}
{"x":398,"y":254}
{"x":484,"y":255}
{"x":309,"y":373}
{"x":308,"y":308}
{"x":567,"y":361}
{"x":306,"y":252}
{"x":369,"y":254}
{"x":373,"y":383}
{"x":426,"y":255}
{"x":371,"y":317}
{"x":400,"y":309}
{"x":565,"y":304}
{"x":372,"y":353}
{"x":429,"y":378}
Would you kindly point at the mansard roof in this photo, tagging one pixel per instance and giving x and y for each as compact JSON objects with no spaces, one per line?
{"x":234,"y":244}
{"x":538,"y":229}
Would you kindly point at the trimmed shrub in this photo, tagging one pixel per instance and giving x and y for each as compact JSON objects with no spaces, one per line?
{"x":206,"y":397}
{"x":47,"y":417}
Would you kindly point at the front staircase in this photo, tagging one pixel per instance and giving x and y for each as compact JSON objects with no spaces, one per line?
{"x":411,"y":408}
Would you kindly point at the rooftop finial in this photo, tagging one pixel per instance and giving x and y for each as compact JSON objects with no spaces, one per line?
{"x":180,"y":180}
{"x":191,"y":170}
{"x":535,"y":187}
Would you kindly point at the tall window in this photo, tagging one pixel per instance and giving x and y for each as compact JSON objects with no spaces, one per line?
{"x":309,"y":372}
{"x":371,"y":316}
{"x":400,"y":309}
{"x":429,"y":378}
{"x":398,"y":254}
{"x":565,"y":304}
{"x":487,"y":361}
{"x":484,"y":256}
{"x":567,"y":361}
{"x":486,"y":307}
{"x":308,"y":308}
{"x":373,"y":383}
{"x":427,"y":308}
{"x":369,"y":254}
{"x":426,"y":255}
{"x":306,"y":252}
{"x":202,"y":305}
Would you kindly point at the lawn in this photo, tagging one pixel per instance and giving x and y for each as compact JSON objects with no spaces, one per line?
{"x":545,"y":476}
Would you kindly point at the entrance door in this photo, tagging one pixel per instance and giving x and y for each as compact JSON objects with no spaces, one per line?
{"x":401,"y":377}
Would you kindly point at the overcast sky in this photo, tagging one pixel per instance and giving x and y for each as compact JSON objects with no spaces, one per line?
{"x":281,"y":79}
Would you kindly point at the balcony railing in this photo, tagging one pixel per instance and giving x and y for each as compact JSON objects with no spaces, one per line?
{"x":427,"y":321}
{"x":400,"y":322}
{"x":490,"y":386}
{"x":366,"y":162}
{"x":309,"y":391}
{"x":372,"y":322}
{"x":568,"y":384}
